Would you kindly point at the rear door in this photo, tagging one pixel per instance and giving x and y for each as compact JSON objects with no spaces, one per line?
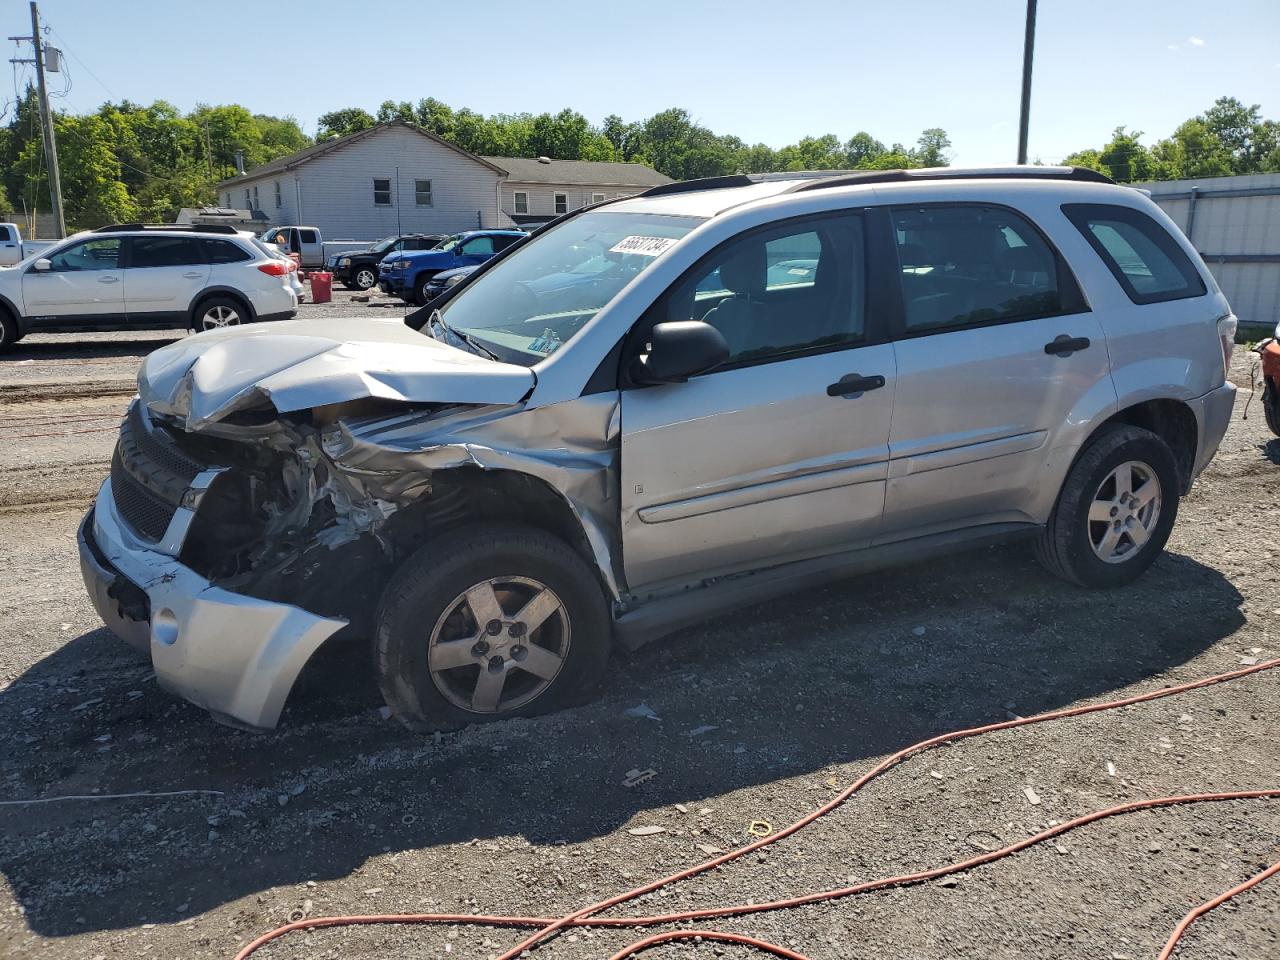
{"x":163,"y":276}
{"x":84,"y":281}
{"x":996,"y":353}
{"x":782,"y":452}
{"x":10,"y":246}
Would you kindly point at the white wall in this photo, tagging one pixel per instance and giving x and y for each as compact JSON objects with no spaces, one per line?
{"x":335,"y":191}
{"x":542,"y":196}
{"x":1237,"y":231}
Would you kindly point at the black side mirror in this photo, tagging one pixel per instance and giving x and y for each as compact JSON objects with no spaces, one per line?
{"x":679,"y":350}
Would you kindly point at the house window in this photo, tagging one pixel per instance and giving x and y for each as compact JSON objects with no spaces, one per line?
{"x":597,"y":197}
{"x":562,"y":203}
{"x":228,"y":203}
{"x":422,"y":193}
{"x":382,"y":191}
{"x":255,"y":196}
{"x":246,"y":198}
{"x":522,"y":201}
{"x":278,"y":202}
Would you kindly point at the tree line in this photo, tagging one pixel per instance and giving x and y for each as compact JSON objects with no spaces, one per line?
{"x":126,"y":161}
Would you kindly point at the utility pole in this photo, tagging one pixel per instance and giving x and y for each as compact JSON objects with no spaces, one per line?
{"x":1028,"y":47}
{"x":46,"y":122}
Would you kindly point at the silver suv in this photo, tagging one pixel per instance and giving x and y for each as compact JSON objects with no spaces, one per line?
{"x":141,"y":276}
{"x":654,"y":409}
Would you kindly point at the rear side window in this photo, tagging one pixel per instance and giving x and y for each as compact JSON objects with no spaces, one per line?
{"x":164,"y":252}
{"x":223,"y":251}
{"x":309,"y":236}
{"x":970,"y":265}
{"x":1148,"y":263}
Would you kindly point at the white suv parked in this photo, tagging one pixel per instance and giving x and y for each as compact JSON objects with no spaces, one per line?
{"x":134,"y":276}
{"x":658,"y":408}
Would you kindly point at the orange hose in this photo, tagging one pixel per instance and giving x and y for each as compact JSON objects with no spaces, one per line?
{"x":579,"y":918}
{"x":1213,"y":904}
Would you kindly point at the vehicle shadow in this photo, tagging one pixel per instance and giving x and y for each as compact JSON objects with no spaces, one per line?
{"x":830,"y":676}
{"x":1271,"y":450}
{"x":67,"y":347}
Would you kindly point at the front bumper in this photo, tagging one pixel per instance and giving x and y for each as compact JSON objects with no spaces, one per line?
{"x":1213,"y":416}
{"x":235,"y":656}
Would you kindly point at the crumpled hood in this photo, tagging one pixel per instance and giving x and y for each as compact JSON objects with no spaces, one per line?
{"x":300,"y":364}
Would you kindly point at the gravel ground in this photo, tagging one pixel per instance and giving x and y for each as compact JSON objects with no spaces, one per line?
{"x":758,"y":716}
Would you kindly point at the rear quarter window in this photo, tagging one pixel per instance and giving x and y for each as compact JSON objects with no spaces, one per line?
{"x":1145,"y":260}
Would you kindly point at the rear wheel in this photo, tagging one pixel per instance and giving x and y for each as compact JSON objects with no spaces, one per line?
{"x":218,"y":312}
{"x":1115,"y":511}
{"x":365,"y":278}
{"x":1271,"y":406}
{"x":487,"y":623}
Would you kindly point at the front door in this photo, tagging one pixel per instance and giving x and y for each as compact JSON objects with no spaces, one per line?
{"x":84,"y":280}
{"x":997,"y":352}
{"x":781,"y":453}
{"x":474,"y":251}
{"x":163,"y":277}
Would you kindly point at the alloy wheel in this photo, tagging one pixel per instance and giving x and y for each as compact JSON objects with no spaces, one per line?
{"x":365,"y":279}
{"x":499,"y":645}
{"x":1124,"y":512}
{"x":219,"y":316}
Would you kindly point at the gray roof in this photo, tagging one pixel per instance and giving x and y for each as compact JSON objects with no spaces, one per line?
{"x":586,"y":173}
{"x":328,"y":146}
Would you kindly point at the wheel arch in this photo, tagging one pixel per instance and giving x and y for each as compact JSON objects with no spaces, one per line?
{"x":1173,"y":421}
{"x":464,"y":495}
{"x":220,"y":291}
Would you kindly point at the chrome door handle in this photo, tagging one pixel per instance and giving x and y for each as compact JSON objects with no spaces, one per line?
{"x":853,"y":384}
{"x":1064,"y":346}
{"x":193,"y":276}
{"x":108,"y":279}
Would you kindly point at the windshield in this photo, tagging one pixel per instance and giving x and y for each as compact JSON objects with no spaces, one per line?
{"x":448,"y":243}
{"x":532,"y":303}
{"x":383,"y":245}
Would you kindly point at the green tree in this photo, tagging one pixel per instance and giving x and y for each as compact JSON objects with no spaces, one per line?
{"x":339,"y":123}
{"x":862,"y":149}
{"x":1194,"y":150}
{"x":932,"y":147}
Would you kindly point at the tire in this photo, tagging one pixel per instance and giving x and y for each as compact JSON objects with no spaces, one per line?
{"x":9,"y":334}
{"x":427,"y":606}
{"x":1074,"y":541}
{"x":1271,"y":406}
{"x":218,"y":312}
{"x":364,"y":278}
{"x":420,"y":296}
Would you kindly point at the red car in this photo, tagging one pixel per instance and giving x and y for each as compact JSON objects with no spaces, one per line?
{"x":1269,"y":350}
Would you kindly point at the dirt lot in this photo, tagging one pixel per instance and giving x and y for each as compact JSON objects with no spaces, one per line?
{"x":758,"y":716}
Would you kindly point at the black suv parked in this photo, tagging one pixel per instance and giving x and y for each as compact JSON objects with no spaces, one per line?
{"x":358,"y":269}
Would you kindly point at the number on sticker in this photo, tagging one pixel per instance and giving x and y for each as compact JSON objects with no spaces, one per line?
{"x":644,"y":246}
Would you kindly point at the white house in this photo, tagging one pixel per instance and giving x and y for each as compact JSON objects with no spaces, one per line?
{"x":397,"y":178}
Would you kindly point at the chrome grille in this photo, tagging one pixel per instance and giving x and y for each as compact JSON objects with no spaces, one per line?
{"x":149,"y":475}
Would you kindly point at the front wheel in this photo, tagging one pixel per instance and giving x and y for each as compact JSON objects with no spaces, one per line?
{"x":9,"y":334}
{"x":487,"y":623}
{"x":420,"y":294}
{"x":365,"y":278}
{"x":1115,"y":511}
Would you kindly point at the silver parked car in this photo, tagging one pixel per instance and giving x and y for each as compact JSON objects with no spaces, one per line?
{"x":655,"y":409}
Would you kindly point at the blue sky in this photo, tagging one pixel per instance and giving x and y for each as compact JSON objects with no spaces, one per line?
{"x":765,"y":71}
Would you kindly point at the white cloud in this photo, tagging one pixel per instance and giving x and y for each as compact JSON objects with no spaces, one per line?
{"x":1175,"y":47}
{"x":1195,"y":41}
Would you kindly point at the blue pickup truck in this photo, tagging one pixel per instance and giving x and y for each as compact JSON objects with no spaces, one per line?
{"x":409,"y":276}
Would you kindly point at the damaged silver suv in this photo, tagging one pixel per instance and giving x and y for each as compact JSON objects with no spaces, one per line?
{"x":653,"y":409}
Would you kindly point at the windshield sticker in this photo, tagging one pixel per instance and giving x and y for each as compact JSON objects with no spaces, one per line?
{"x":644,"y":246}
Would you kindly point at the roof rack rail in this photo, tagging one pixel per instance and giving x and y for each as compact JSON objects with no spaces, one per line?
{"x":1025,"y":172}
{"x":193,"y":227}
{"x":702,"y":183}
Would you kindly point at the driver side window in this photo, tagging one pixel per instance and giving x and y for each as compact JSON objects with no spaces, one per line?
{"x":789,"y":290}
{"x":102,"y":254}
{"x":478,"y":245}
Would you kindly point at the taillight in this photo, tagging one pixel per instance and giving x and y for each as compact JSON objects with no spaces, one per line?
{"x":276,"y":268}
{"x":1227,"y":335}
